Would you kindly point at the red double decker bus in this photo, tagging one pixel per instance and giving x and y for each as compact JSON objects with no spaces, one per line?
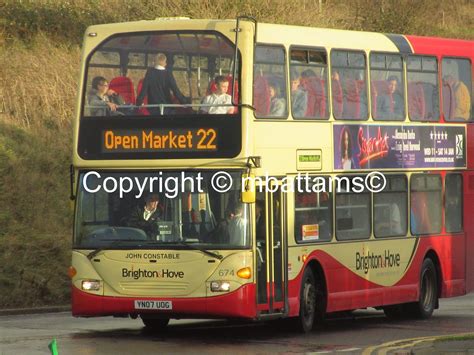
{"x":305,"y":108}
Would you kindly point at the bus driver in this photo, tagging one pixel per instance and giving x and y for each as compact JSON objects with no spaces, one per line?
{"x":147,"y":217}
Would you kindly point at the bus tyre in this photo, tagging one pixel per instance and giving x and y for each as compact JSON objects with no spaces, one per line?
{"x":425,"y":306}
{"x":321,"y":301}
{"x":307,"y":301}
{"x":156,"y":323}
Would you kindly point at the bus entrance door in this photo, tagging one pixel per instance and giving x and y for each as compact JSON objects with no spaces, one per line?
{"x":270,"y":226}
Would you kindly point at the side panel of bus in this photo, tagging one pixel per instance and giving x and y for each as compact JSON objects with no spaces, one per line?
{"x":469,"y":211}
{"x":457,"y":48}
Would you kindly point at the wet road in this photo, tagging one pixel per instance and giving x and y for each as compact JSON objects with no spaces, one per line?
{"x":31,"y":334}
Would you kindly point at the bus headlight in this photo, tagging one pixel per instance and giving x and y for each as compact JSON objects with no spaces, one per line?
{"x":91,"y":285}
{"x":220,"y":286}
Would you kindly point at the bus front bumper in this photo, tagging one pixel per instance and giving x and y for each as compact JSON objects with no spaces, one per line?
{"x":236,"y":304}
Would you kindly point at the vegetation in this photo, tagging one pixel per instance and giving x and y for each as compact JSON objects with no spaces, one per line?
{"x":68,"y":19}
{"x":39,"y":57}
{"x":35,"y":215}
{"x":463,"y":337}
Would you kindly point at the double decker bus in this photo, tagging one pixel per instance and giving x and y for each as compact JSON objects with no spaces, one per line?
{"x":245,"y":199}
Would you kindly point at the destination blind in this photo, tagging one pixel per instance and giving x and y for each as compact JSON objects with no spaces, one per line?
{"x":144,"y":137}
{"x":159,"y":140}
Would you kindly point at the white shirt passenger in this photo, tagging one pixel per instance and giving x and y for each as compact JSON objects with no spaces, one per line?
{"x":215,"y":99}
{"x":237,"y":231}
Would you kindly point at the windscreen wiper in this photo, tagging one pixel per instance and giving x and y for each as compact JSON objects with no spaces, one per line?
{"x":115,"y":242}
{"x":205,"y":251}
{"x":141,"y":243}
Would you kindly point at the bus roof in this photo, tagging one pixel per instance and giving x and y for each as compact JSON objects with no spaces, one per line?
{"x":304,"y":36}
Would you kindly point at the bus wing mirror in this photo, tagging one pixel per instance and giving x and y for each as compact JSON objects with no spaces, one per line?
{"x":72,"y":180}
{"x":248,"y":188}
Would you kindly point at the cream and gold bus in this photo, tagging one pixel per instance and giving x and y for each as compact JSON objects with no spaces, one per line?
{"x":217,"y":171}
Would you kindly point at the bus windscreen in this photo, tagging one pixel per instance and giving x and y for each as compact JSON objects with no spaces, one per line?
{"x":159,"y":210}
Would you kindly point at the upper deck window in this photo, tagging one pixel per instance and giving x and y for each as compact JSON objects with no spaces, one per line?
{"x":387,"y":94}
{"x":457,"y":86}
{"x":308,"y":75}
{"x":423,"y":94}
{"x":349,"y":86}
{"x":269,"y":83}
{"x":160,"y":73}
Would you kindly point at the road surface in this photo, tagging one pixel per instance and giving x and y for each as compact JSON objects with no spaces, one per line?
{"x":356,"y":333}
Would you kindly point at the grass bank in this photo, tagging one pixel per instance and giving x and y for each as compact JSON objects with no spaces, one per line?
{"x":35,"y":216}
{"x":37,"y":92}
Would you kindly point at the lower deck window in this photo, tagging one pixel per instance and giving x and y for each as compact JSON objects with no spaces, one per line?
{"x":453,"y":203}
{"x":313,"y":216}
{"x":352,"y":211}
{"x":390,"y":208}
{"x":425,"y":213}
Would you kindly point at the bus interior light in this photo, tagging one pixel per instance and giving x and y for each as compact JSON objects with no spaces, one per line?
{"x":91,"y":285}
{"x":220,"y":286}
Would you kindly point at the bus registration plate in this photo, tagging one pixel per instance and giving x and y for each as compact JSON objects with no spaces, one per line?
{"x":149,"y":304}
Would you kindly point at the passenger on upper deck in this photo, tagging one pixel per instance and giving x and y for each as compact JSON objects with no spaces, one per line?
{"x":220,"y":97}
{"x":390,"y":104}
{"x":299,"y":97}
{"x":462,"y":99}
{"x":335,"y":76}
{"x":337,"y":94}
{"x":277,"y":104}
{"x":103,"y":101}
{"x":158,"y":85}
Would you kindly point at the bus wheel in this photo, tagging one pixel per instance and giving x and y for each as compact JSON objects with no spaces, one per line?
{"x":155,"y":323}
{"x":425,"y":306}
{"x":307,"y":301}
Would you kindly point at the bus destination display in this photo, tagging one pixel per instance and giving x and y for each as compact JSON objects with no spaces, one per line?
{"x":159,"y":140}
